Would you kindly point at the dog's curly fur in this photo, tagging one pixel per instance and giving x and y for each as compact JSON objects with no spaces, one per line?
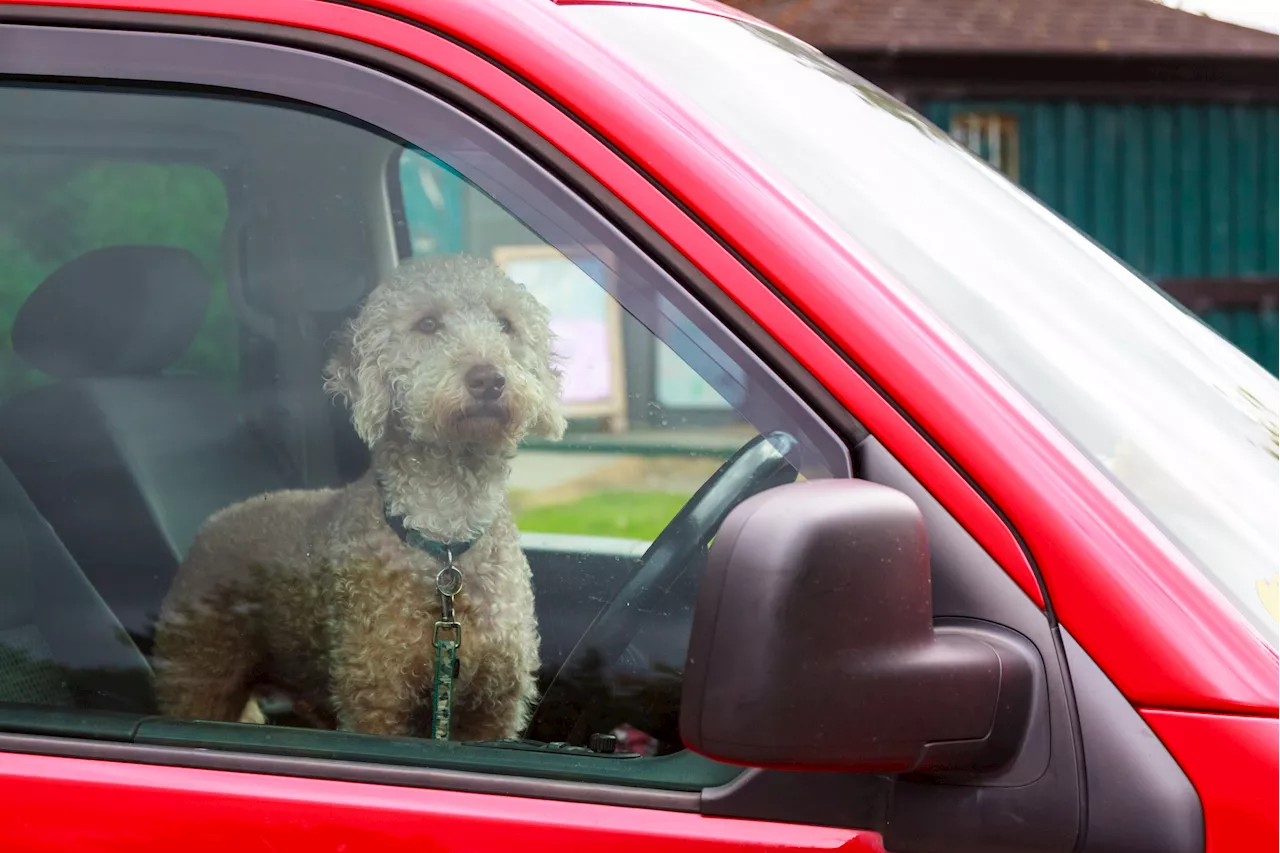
{"x":313,"y":593}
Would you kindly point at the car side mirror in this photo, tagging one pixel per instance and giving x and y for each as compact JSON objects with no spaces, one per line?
{"x":814,"y":646}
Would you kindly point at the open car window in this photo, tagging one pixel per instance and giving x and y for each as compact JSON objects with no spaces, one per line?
{"x":391,"y":323}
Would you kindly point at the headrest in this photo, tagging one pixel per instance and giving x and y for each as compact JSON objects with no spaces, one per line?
{"x":119,"y":311}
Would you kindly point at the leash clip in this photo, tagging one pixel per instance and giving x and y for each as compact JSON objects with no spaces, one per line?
{"x":448,"y":584}
{"x":455,"y":627}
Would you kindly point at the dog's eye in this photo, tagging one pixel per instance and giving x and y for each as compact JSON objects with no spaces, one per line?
{"x":505,"y":325}
{"x":429,"y":325}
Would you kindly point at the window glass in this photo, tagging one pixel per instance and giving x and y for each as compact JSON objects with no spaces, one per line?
{"x":646,"y":429}
{"x":426,"y":356}
{"x":58,"y":206}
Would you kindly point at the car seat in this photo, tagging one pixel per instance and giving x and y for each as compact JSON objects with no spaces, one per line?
{"x":60,"y":645}
{"x":123,"y":457}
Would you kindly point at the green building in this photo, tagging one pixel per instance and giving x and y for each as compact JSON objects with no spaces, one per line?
{"x":1151,"y":129}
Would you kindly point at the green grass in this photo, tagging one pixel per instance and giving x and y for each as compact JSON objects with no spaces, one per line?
{"x":627,"y":515}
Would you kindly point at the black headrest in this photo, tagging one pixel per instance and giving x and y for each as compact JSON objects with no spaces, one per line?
{"x":119,"y":311}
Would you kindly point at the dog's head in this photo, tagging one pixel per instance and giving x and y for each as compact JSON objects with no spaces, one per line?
{"x":449,"y":350}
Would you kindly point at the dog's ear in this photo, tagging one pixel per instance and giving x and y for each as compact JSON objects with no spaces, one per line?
{"x":339,"y":373}
{"x":368,"y":396}
{"x":550,"y":422}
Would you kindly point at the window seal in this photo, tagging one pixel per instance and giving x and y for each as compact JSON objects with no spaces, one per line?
{"x":335,"y":770}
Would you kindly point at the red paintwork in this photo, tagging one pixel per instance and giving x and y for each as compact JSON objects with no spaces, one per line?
{"x":1156,"y":627}
{"x":1234,"y":764}
{"x":69,"y":806}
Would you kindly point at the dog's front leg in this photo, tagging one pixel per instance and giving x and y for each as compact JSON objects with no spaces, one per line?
{"x":374,"y":685}
{"x":376,"y":661}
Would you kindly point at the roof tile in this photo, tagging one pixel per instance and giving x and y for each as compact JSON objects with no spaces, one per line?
{"x":1118,"y":27}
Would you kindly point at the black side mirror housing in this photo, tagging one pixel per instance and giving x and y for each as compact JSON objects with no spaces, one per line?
{"x":814,"y":645}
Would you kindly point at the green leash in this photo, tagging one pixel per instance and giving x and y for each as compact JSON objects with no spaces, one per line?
{"x":447,"y":638}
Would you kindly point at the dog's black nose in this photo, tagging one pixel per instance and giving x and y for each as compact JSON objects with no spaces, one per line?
{"x":485,"y":382}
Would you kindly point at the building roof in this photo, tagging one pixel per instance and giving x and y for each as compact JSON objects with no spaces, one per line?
{"x":1076,"y":27}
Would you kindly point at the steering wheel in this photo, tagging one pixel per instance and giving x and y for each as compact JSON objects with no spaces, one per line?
{"x":758,"y":465}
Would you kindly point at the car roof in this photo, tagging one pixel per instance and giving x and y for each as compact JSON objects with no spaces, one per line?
{"x":711,"y":7}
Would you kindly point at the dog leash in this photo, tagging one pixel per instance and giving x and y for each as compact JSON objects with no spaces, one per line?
{"x":448,"y":584}
{"x":447,"y":635}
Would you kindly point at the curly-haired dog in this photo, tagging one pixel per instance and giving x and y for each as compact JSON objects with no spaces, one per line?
{"x":445,"y":369}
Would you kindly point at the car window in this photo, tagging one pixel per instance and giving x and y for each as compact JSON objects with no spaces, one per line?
{"x":59,"y":205}
{"x":426,"y":469}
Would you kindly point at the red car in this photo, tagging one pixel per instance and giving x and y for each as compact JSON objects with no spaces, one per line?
{"x":1024,"y":598}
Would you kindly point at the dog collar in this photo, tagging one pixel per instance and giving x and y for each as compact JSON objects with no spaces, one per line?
{"x":446,"y":551}
{"x":441,"y":550}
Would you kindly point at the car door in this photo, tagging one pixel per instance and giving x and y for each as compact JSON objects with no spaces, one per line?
{"x":336,"y":161}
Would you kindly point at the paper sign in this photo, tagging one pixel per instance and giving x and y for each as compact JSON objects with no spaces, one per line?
{"x":585,"y":320}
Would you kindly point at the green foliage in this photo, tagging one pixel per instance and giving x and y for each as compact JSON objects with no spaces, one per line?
{"x":624,"y":514}
{"x":54,"y":209}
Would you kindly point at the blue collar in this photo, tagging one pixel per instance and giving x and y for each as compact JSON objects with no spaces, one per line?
{"x":445,"y":551}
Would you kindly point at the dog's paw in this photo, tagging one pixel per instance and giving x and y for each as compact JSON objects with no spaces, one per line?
{"x":253,"y":713}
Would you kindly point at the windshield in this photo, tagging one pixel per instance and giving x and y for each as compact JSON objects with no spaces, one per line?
{"x":1180,"y":418}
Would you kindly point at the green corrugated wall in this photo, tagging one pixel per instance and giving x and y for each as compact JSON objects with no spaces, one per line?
{"x":1178,"y":190}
